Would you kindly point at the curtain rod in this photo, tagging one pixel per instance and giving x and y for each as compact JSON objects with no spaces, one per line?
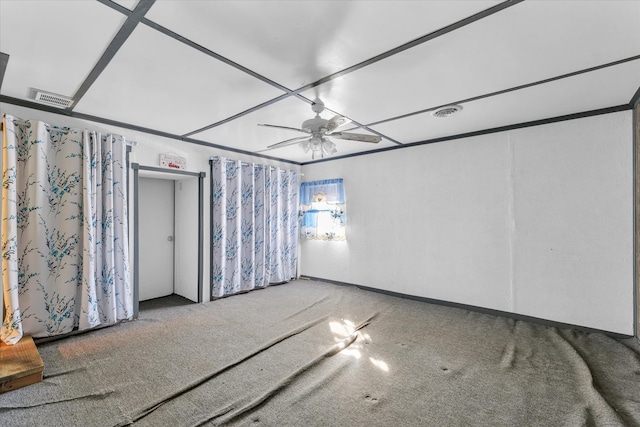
{"x":247,"y":164}
{"x":63,"y":130}
{"x":48,"y":126}
{"x":242,"y":163}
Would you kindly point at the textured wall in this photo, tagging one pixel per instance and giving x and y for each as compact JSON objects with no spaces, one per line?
{"x":535,"y":221}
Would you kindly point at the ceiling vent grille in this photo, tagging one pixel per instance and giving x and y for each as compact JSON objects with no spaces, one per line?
{"x":50,"y":98}
{"x":446,"y":111}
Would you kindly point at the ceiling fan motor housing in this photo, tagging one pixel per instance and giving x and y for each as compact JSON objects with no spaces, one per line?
{"x":315,"y":124}
{"x":317,"y":106}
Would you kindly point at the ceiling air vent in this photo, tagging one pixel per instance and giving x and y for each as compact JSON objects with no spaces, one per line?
{"x":50,"y":98}
{"x":446,"y":111}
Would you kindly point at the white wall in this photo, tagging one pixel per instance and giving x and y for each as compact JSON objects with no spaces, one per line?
{"x":147,"y":153}
{"x":536,"y":221}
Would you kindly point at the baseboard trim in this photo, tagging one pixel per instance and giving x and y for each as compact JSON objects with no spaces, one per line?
{"x":483,"y":310}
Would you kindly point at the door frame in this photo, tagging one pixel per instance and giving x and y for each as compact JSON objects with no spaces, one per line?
{"x":636,"y":212}
{"x":136,"y":167}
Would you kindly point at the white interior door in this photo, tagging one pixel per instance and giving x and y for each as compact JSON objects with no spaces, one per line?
{"x":156,"y":231}
{"x":186,"y":238}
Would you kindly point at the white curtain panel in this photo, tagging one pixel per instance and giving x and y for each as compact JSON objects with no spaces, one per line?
{"x":255,"y":227}
{"x":65,"y":257}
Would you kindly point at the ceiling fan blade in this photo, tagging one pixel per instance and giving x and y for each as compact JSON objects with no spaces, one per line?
{"x":356,"y":137}
{"x":336,"y":122}
{"x":283,"y":127}
{"x":285,"y":143}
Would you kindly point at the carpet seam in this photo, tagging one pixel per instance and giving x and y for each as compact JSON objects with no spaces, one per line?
{"x":335,"y":349}
{"x":150,"y":409}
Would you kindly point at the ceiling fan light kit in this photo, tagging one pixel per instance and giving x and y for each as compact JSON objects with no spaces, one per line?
{"x":319,"y":129}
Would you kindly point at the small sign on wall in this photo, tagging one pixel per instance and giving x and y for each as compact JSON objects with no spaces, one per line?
{"x":172,"y":161}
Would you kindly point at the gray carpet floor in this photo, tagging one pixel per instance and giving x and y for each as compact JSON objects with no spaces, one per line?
{"x":315,"y":354}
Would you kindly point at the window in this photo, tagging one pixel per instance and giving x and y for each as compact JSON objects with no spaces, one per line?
{"x":322,"y":210}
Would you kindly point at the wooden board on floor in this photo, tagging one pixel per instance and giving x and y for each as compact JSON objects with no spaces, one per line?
{"x":20,"y":365}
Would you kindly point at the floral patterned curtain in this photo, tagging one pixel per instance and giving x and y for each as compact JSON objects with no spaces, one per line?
{"x":255,"y":228}
{"x":322,"y":210}
{"x":65,"y":258}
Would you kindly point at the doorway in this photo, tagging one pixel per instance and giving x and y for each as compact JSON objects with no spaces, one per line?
{"x":167,"y":233}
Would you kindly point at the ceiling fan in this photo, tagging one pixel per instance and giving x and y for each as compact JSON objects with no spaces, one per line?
{"x":318,"y":130}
